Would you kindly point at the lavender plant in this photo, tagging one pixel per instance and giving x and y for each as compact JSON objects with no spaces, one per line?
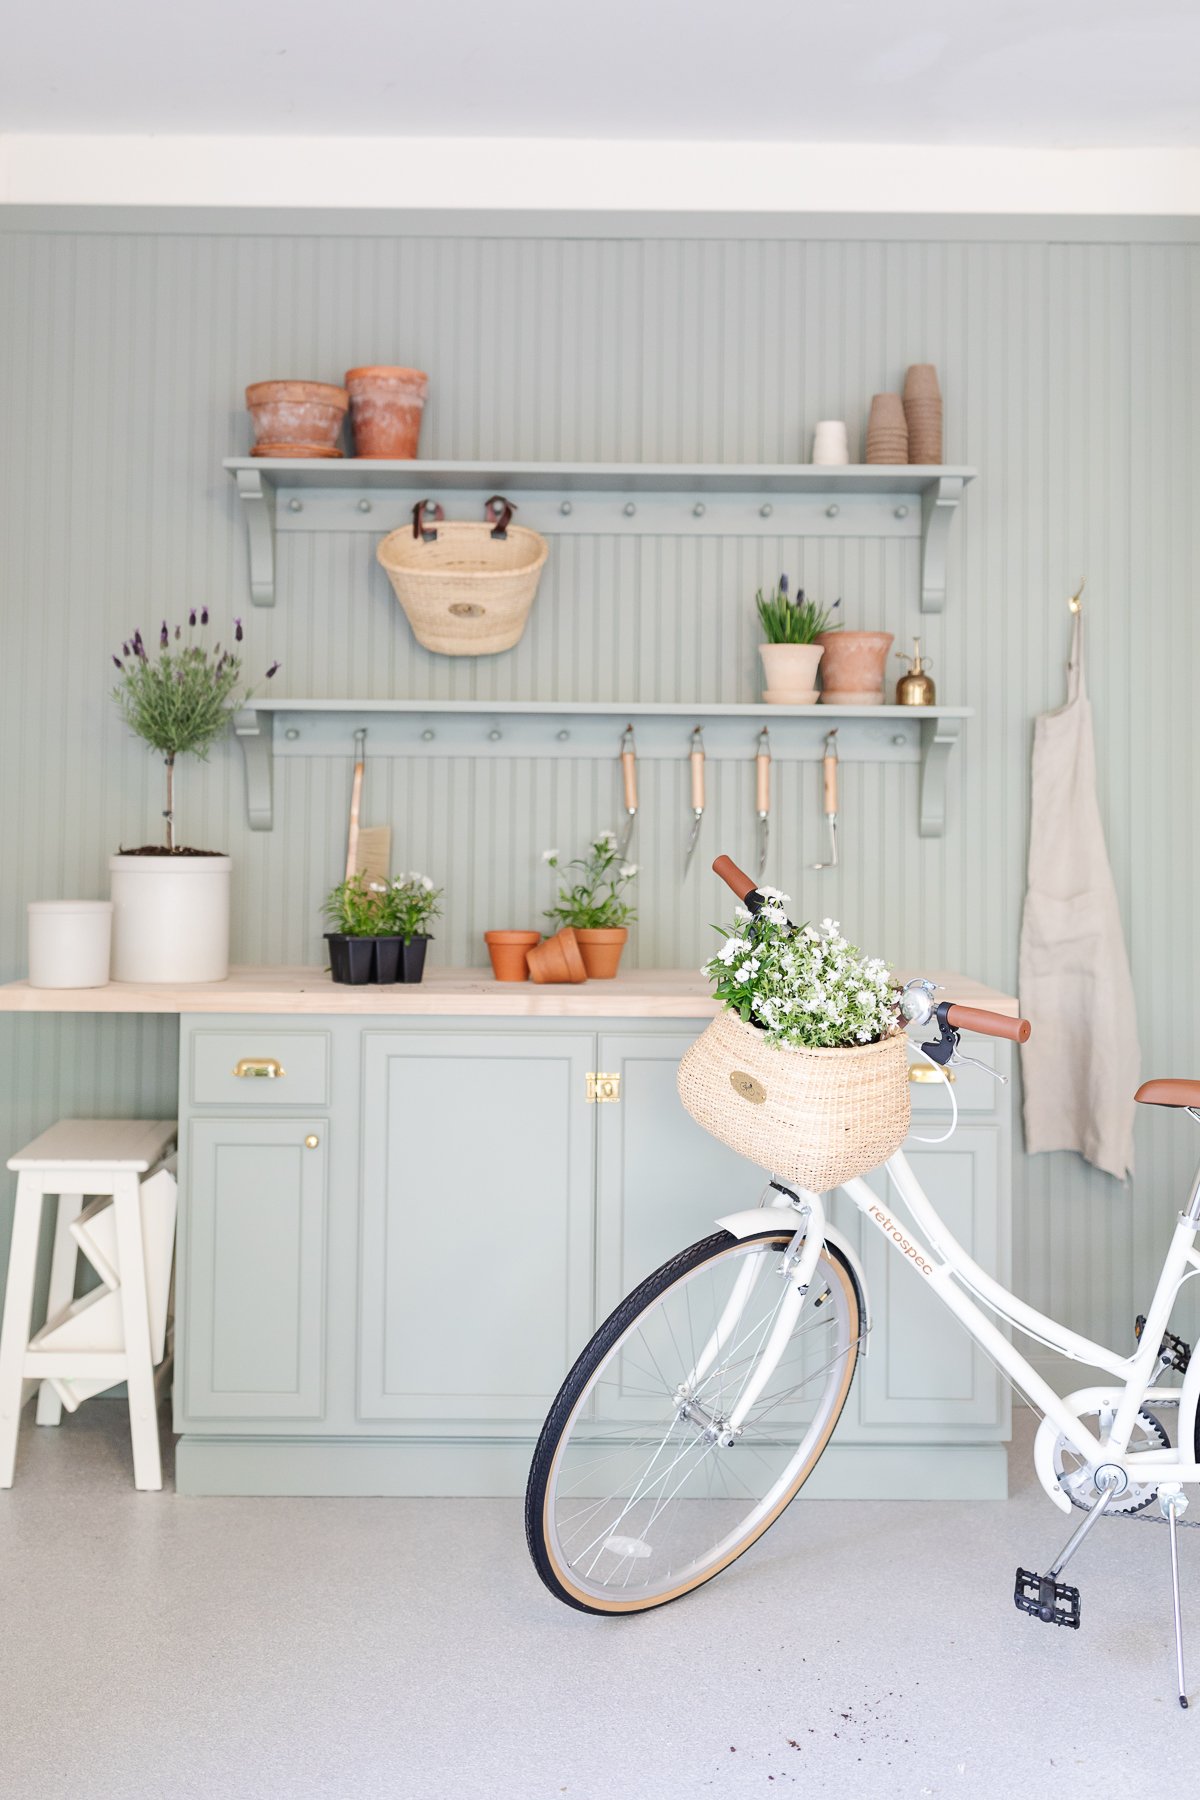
{"x":179,"y":701}
{"x":788,"y":621}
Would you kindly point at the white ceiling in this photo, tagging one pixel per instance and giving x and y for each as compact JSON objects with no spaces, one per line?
{"x":1013,"y":72}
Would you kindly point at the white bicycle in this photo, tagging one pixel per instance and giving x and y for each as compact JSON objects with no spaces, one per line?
{"x":702,"y":1404}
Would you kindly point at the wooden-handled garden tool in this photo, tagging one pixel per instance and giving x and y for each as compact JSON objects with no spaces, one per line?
{"x":762,"y":797}
{"x":829,"y":783}
{"x":629,"y":777}
{"x":696,"y":762}
{"x":368,"y":848}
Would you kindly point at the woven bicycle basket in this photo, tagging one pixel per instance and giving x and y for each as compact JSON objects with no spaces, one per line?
{"x":816,"y":1117}
{"x":466,"y":589}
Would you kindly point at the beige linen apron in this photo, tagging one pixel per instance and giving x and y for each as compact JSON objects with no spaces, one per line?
{"x":1080,"y":1066}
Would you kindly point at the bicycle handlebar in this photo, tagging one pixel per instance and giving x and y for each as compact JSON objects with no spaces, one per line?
{"x":961,"y":1018}
{"x":990,"y":1024}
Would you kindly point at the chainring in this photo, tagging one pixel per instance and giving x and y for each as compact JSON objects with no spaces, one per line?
{"x":1075,"y":1476}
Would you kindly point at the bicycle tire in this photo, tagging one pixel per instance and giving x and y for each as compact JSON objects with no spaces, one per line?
{"x":566,"y":1411}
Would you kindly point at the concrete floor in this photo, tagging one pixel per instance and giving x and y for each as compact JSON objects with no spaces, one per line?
{"x":229,"y":1649}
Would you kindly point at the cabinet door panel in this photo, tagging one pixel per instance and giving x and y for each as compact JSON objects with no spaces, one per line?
{"x":662,"y":1179}
{"x":476,"y":1249}
{"x":252,"y":1309}
{"x":923,"y":1369}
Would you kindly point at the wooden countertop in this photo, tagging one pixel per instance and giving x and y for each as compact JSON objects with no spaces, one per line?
{"x":446,"y":993}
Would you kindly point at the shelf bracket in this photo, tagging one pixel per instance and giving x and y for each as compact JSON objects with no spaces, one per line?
{"x":258,"y":503}
{"x":938,"y":738}
{"x":255,"y":733}
{"x":939,"y":503}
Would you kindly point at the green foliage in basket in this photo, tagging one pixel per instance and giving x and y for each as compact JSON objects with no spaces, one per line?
{"x":788,"y":621}
{"x":804,"y":985}
{"x":404,"y":907}
{"x":179,"y":701}
{"x":594,"y":901}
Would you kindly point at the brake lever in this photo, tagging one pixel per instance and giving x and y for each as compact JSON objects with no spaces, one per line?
{"x":972,"y":1062}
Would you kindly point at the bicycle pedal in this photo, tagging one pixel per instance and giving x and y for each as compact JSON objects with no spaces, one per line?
{"x":1173,"y":1352}
{"x":1053,"y":1602}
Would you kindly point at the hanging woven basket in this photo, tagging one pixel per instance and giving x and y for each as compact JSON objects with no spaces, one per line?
{"x":466,"y":589}
{"x":815,"y":1117}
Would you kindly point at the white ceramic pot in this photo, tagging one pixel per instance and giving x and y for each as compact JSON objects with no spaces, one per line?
{"x":70,"y":943}
{"x":831,"y":443}
{"x":170,"y":918}
{"x":790,"y":673}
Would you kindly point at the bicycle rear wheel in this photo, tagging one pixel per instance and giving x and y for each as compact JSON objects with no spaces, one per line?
{"x":633,"y":1498}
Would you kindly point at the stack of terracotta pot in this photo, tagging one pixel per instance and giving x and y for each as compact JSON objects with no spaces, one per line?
{"x":887,"y":430}
{"x":304,"y":418}
{"x":923,"y":414}
{"x":570,"y":955}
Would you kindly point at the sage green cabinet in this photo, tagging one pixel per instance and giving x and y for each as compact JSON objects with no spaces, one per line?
{"x":250,"y":1338}
{"x":381,"y":1292}
{"x":475,"y":1276}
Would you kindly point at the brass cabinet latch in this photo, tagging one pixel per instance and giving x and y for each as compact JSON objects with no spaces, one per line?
{"x":602,"y":1087}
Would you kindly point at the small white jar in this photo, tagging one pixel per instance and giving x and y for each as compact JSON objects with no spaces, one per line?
{"x":831,"y":443}
{"x":70,"y":943}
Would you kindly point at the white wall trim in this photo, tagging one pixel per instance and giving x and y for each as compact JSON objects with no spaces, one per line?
{"x":593,"y":175}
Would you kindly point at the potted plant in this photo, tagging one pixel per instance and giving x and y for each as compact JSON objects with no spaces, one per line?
{"x":592,"y":905}
{"x":805,"y":1068}
{"x":790,"y":653}
{"x":170,"y":901}
{"x":379,"y":928}
{"x":853,"y":667}
{"x":509,"y":951}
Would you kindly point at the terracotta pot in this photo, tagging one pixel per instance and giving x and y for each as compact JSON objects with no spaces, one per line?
{"x":305,"y":416}
{"x":790,"y":673}
{"x":509,"y":950}
{"x":887,"y":430}
{"x":923,"y":413}
{"x":558,"y":959}
{"x":853,"y":666}
{"x":601,"y":951}
{"x":385,"y":410}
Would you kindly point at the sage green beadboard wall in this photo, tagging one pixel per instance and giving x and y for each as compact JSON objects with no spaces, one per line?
{"x":1068,"y":358}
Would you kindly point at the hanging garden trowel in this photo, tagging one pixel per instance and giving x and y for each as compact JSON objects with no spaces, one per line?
{"x":629,"y":776}
{"x":696,"y":760}
{"x":368,"y":847}
{"x":762,"y":797}
{"x":829,"y":782}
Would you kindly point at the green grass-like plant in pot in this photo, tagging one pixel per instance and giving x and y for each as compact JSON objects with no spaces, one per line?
{"x":380,"y":928}
{"x":790,"y":656}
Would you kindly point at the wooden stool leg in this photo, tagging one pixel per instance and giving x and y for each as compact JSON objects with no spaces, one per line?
{"x":18,"y":1314}
{"x":62,"y":1291}
{"x":139,"y":1374}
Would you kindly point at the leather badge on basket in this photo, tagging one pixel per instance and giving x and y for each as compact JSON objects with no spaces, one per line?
{"x":747,"y":1087}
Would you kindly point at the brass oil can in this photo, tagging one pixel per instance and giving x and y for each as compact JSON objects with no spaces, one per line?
{"x":915,"y":687}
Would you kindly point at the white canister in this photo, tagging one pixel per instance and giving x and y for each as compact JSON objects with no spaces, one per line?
{"x":831,"y":443}
{"x":170,"y":918}
{"x":70,"y":943}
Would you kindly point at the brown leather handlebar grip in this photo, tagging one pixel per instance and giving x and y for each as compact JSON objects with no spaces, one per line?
{"x":974,"y":1018}
{"x":733,"y":877}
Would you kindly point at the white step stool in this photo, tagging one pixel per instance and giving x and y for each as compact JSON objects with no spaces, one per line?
{"x":76,"y":1158}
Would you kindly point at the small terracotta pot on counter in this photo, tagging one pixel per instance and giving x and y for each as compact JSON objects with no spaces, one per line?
{"x":386,"y":405}
{"x":509,"y":951}
{"x":296,"y":418}
{"x":853,"y":666}
{"x":558,"y":959}
{"x":790,"y":673}
{"x":601,"y":950}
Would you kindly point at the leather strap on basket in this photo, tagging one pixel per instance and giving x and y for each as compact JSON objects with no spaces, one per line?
{"x":500,"y":512}
{"x":426,"y":509}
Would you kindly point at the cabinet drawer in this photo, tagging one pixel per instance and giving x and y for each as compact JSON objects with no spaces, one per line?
{"x":301,"y":1057}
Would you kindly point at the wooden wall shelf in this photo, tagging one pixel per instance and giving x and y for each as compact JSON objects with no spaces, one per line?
{"x":270,"y":728}
{"x":631,"y":499}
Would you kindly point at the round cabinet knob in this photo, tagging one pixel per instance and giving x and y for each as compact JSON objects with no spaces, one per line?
{"x":311,"y":1141}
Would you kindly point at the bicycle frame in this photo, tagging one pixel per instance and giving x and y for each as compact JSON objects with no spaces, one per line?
{"x":967,"y":1289}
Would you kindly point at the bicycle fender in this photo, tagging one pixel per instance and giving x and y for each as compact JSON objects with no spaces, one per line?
{"x":761,"y":1218}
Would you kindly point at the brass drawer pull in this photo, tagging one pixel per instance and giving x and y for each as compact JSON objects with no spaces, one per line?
{"x":925,"y":1072}
{"x":262,"y":1067}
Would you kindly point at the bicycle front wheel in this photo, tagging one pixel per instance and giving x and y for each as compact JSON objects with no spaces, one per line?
{"x":639,"y":1490}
